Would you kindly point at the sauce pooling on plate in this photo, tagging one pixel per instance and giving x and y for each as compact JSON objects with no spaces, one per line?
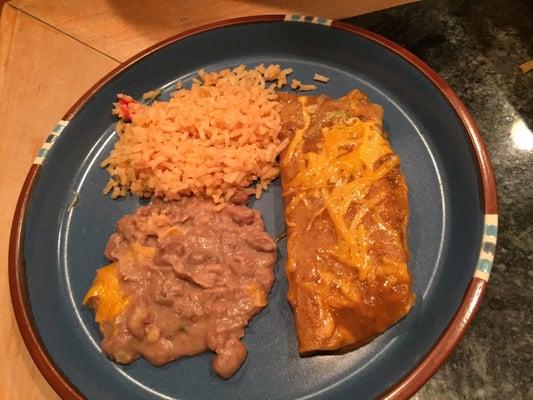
{"x":184,"y":278}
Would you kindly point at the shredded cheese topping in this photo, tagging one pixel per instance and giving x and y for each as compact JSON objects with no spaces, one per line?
{"x":352,"y":157}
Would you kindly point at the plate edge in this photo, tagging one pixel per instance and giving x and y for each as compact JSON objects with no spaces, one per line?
{"x":19,"y":299}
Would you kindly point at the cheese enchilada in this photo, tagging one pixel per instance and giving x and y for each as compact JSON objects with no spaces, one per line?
{"x":346,"y":213}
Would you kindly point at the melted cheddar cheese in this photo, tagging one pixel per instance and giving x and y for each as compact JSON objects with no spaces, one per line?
{"x":106,"y":295}
{"x":342,"y":172}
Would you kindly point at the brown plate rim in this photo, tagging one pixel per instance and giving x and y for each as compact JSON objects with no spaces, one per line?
{"x":414,"y":379}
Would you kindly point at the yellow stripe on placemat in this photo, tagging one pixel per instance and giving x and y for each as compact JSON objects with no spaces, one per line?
{"x":50,"y":140}
{"x":488,"y":247}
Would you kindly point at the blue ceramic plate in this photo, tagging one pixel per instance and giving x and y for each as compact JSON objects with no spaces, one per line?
{"x":63,"y":222}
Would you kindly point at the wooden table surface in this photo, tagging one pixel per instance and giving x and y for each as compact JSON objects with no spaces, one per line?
{"x":51,"y":52}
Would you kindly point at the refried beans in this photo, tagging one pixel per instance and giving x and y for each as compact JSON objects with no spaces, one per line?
{"x":184,"y":279}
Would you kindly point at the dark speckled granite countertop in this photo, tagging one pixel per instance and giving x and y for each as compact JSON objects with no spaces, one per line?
{"x":477,"y":46}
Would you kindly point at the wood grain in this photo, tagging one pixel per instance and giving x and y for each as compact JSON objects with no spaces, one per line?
{"x":121,"y":28}
{"x":37,"y":84}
